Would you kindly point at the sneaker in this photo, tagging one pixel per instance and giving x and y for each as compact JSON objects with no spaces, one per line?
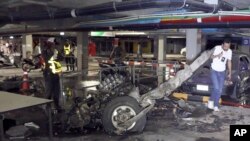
{"x":210,"y":104}
{"x":216,"y":109}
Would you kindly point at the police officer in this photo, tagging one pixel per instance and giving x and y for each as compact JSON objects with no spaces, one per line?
{"x":52,"y":73}
{"x":67,"y":50}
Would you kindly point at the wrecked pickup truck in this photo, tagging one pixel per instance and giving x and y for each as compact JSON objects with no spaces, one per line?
{"x":119,"y":106}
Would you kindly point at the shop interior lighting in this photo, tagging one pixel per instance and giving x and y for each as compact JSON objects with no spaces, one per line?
{"x":62,"y":33}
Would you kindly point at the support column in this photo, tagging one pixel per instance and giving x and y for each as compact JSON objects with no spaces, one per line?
{"x":193,"y":44}
{"x":203,"y":42}
{"x":27,"y":44}
{"x":155,"y":46}
{"x":161,"y":57}
{"x":82,"y":53}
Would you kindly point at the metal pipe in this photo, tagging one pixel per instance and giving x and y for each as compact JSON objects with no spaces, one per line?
{"x":137,"y":27}
{"x":128,"y":5}
{"x":181,"y":25}
{"x":105,"y":8}
{"x":132,"y":27}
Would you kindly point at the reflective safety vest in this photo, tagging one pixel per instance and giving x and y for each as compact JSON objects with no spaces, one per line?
{"x":66,"y":49}
{"x":55,"y":66}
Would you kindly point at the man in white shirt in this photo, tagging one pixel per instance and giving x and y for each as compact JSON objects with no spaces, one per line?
{"x":222,"y":55}
{"x":37,"y":49}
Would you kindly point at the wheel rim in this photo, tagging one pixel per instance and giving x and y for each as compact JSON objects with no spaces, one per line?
{"x":122,"y":114}
{"x":26,"y":67}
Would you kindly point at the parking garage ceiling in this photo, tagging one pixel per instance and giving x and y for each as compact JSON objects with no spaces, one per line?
{"x":55,"y":15}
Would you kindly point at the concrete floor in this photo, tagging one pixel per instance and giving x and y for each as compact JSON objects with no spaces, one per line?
{"x":162,"y":126}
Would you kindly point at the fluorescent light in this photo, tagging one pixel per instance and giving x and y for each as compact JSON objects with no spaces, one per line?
{"x":112,"y":34}
{"x":176,"y":37}
{"x":102,"y":34}
{"x":130,"y":33}
{"x":62,"y":33}
{"x":11,"y":37}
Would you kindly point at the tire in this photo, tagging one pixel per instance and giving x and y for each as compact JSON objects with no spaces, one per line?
{"x":243,"y":94}
{"x":122,"y":103}
{"x":244,"y":99}
{"x":26,"y":67}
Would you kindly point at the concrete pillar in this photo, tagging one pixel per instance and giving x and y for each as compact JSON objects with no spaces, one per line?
{"x":161,"y":57}
{"x":155,"y":46}
{"x":193,"y":44}
{"x":82,"y":53}
{"x":203,"y":42}
{"x":27,"y":44}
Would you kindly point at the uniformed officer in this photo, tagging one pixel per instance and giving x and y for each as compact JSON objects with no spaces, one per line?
{"x":67,"y":50}
{"x":51,"y":73}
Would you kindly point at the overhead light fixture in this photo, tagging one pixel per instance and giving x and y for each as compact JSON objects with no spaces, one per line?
{"x":62,"y":33}
{"x":102,"y":34}
{"x":215,"y":2}
{"x":176,"y":37}
{"x":129,"y":33}
{"x":11,"y":37}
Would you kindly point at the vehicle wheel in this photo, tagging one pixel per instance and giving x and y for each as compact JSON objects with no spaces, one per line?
{"x":26,"y":67}
{"x":244,"y":100}
{"x":120,"y":110}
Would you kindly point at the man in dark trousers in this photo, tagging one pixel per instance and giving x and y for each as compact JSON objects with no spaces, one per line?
{"x":117,"y":52}
{"x":52,"y":72}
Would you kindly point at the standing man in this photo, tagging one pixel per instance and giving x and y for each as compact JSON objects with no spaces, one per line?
{"x":67,"y":56}
{"x":72,"y":58}
{"x":37,"y":49}
{"x":116,"y":53}
{"x":92,"y":48}
{"x":51,"y":73}
{"x":139,"y":51}
{"x":221,"y":56}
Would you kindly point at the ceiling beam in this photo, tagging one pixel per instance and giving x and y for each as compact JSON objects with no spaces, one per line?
{"x":7,"y":3}
{"x":36,"y":2}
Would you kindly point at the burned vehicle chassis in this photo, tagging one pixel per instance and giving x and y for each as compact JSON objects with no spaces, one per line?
{"x":117,"y":104}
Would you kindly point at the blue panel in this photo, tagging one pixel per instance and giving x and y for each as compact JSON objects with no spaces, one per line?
{"x":245,"y":41}
{"x":209,"y":30}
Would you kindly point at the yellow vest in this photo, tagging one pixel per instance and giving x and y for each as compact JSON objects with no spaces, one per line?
{"x":55,"y":66}
{"x":66,"y":49}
